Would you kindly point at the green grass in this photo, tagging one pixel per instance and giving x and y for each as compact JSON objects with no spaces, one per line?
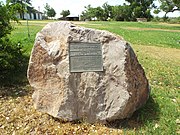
{"x":148,"y":33}
{"x":163,"y":75}
{"x":158,"y":51}
{"x":139,"y":25}
{"x":20,"y":33}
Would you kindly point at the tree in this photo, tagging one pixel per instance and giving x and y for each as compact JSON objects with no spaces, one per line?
{"x":135,"y":9}
{"x":50,"y":12}
{"x":141,"y":8}
{"x":65,"y":13}
{"x":168,"y":6}
{"x":121,"y":13}
{"x":88,"y":13}
{"x":19,"y":1}
{"x":100,"y":13}
{"x":20,"y":6}
{"x":107,"y":9}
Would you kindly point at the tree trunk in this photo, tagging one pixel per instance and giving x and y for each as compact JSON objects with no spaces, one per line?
{"x":22,"y":13}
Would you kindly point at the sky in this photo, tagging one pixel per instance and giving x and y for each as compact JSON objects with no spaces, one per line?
{"x":77,"y":6}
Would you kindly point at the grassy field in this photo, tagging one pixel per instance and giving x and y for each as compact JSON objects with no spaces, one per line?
{"x":157,"y":46}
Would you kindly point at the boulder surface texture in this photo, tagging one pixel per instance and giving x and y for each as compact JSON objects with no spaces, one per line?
{"x":96,"y":96}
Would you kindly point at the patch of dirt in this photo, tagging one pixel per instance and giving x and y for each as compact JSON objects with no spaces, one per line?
{"x":160,"y":53}
{"x":156,"y":29}
{"x":169,"y":24}
{"x":78,"y":22}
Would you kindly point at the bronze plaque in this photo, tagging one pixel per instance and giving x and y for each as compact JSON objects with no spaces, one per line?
{"x":85,"y":57}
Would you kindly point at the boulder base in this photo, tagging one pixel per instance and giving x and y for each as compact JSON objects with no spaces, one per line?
{"x":97,"y":96}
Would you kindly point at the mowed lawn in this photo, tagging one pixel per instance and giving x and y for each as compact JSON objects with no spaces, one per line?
{"x":157,"y":46}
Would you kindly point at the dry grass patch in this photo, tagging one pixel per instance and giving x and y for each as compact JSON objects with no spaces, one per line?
{"x":169,"y":24}
{"x":153,"y":29}
{"x":160,"y":53}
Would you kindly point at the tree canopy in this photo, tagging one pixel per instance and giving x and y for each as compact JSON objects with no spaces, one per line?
{"x":126,"y":12}
{"x":50,"y":12}
{"x":121,"y":13}
{"x":140,"y":8}
{"x":65,"y":13}
{"x":99,"y":13}
{"x":168,"y":6}
{"x":19,"y":1}
{"x":21,"y":6}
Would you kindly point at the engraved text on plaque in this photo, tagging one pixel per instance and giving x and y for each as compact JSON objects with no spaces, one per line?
{"x":85,"y":57}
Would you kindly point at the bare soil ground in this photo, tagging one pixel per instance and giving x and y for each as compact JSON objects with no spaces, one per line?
{"x":156,"y":29}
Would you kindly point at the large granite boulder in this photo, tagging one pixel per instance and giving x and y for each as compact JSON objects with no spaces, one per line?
{"x":112,"y":90}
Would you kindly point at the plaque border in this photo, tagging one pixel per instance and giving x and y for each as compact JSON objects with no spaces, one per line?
{"x":81,"y":71}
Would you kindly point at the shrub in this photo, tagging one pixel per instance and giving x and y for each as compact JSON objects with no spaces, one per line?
{"x":11,"y":56}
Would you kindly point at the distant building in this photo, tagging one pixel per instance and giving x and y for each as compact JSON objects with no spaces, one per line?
{"x":31,"y":14}
{"x":72,"y":18}
{"x":141,"y":19}
{"x":35,"y":15}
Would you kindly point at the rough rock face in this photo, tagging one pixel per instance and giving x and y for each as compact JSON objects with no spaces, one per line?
{"x":115,"y":93}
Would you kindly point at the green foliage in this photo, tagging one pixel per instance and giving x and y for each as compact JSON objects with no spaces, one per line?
{"x":175,"y":20}
{"x":156,"y":19}
{"x":135,"y":9}
{"x":99,"y":13}
{"x":121,"y":13}
{"x":11,"y":56}
{"x":65,"y":13}
{"x":11,"y":59}
{"x":20,"y":6}
{"x":7,"y":13}
{"x":50,"y":12}
{"x":88,"y":13}
{"x":140,"y":8}
{"x":18,"y":1}
{"x":168,"y":6}
{"x":107,"y":11}
{"x":4,"y":21}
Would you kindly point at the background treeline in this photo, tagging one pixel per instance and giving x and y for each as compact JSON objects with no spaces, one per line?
{"x":130,"y":11}
{"x":117,"y":13}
